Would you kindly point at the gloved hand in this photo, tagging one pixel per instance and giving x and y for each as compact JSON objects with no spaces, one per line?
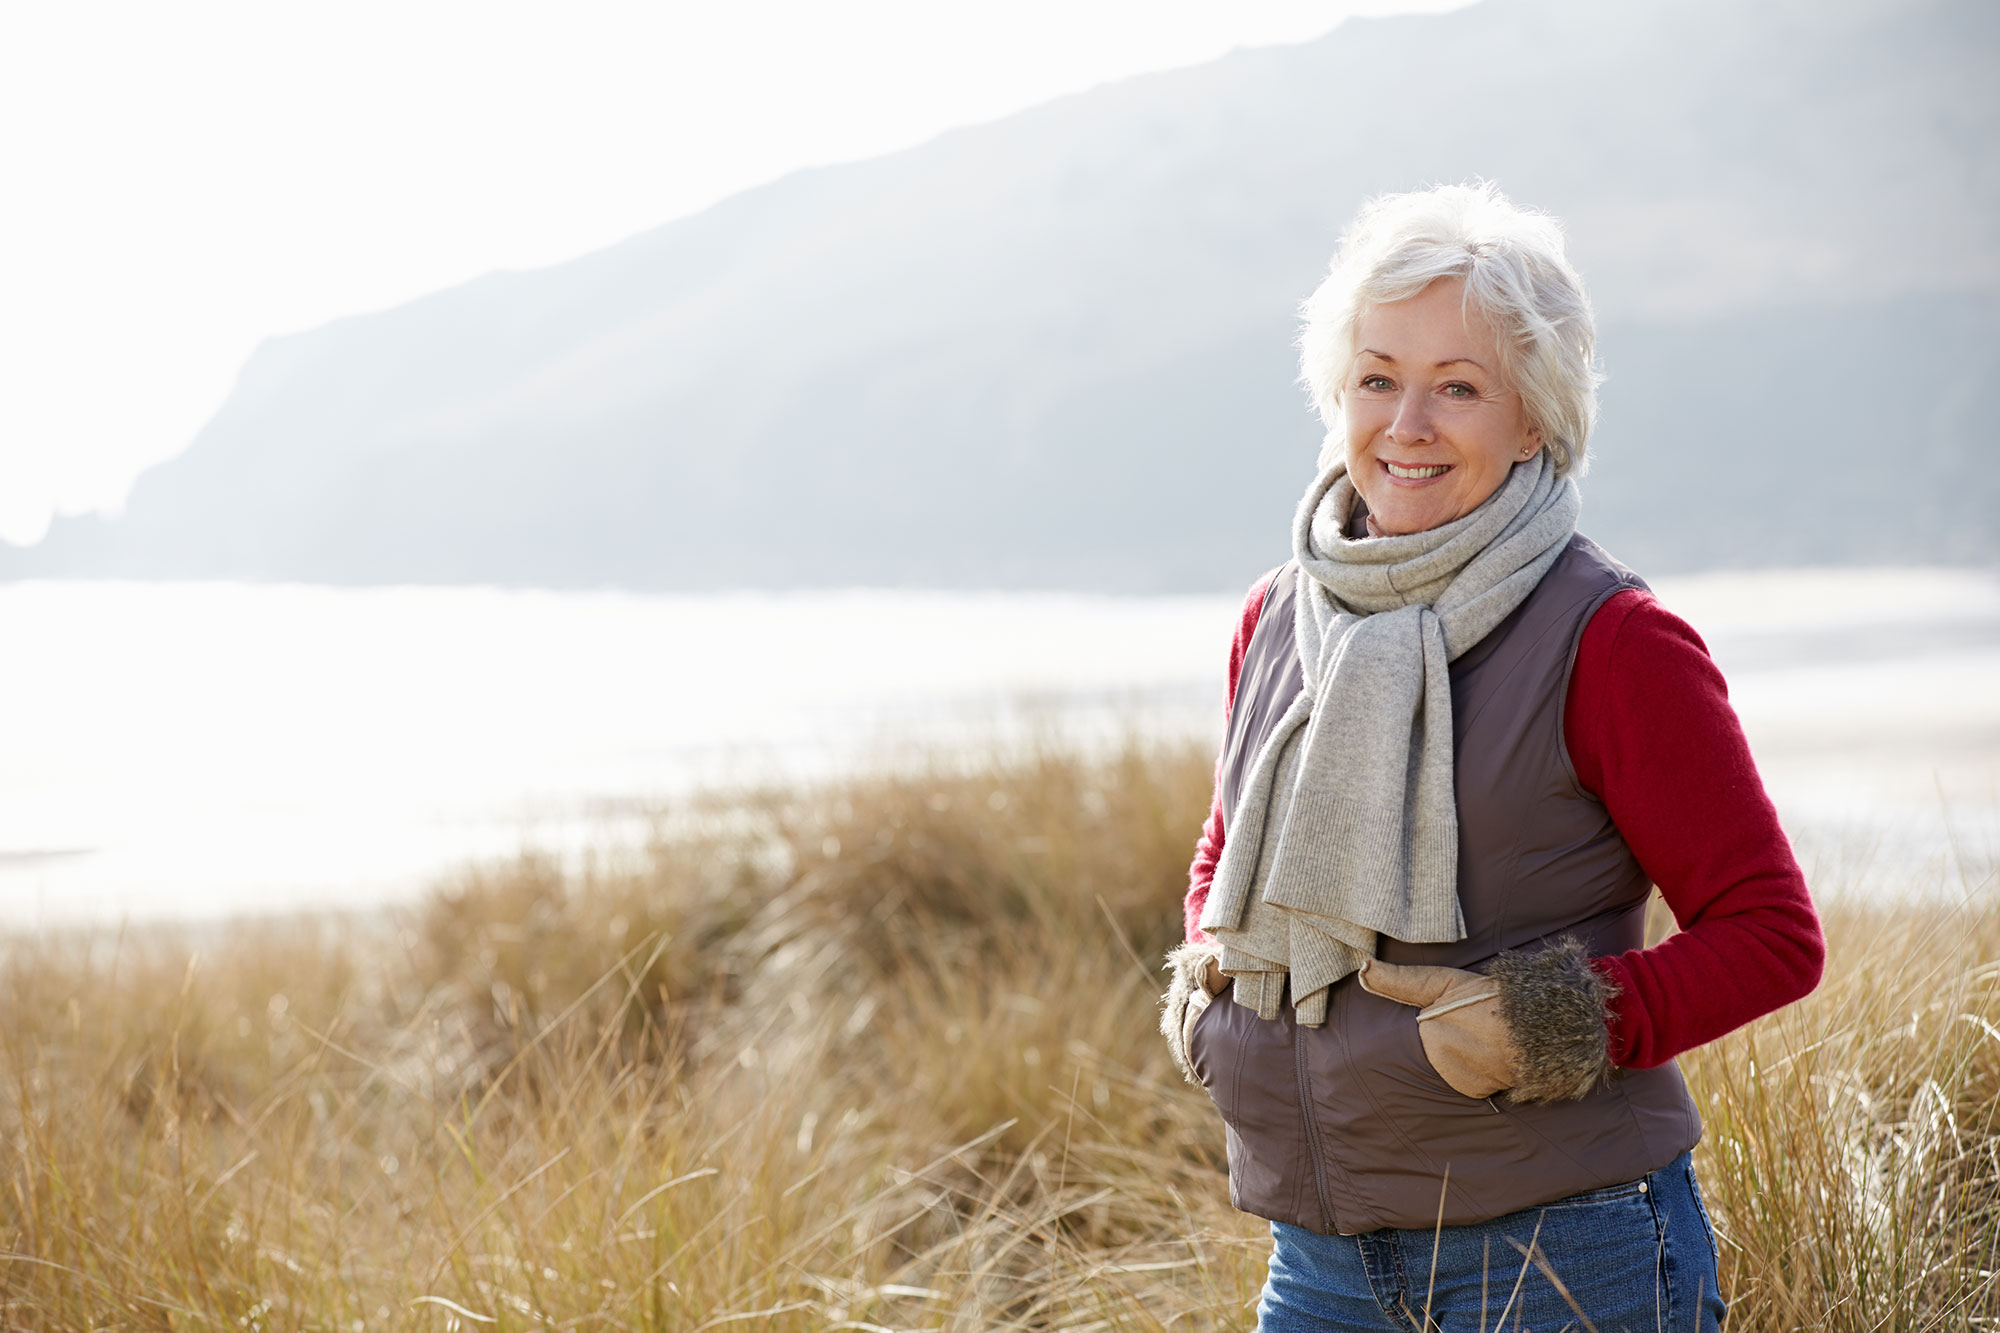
{"x":1535,"y":1024}
{"x":1458,"y":1020}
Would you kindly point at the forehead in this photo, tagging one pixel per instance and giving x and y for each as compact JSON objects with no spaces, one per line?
{"x":1434,"y":325}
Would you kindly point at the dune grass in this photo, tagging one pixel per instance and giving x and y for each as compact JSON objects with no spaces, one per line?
{"x":876,"y":1055}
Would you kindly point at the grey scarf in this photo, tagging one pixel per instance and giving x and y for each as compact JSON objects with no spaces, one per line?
{"x":1347,"y":827}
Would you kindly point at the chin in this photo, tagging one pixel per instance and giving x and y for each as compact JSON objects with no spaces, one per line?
{"x":1402,"y":522}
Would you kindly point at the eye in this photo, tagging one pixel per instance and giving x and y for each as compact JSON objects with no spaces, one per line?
{"x":1460,"y":389}
{"x":1376,"y":383}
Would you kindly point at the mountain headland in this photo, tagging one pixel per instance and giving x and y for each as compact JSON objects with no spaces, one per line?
{"x":1054,"y":351}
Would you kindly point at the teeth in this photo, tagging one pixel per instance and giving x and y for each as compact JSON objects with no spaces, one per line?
{"x":1418,"y":473}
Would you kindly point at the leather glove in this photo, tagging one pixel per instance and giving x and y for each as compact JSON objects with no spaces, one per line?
{"x":1458,"y":1019}
{"x":1534,"y":1024}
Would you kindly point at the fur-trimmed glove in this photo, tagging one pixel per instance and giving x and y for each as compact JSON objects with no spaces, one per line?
{"x":1197,"y":979}
{"x":1533,"y":1024}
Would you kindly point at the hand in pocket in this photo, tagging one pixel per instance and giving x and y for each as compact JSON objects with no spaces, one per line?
{"x":1465,"y":1038}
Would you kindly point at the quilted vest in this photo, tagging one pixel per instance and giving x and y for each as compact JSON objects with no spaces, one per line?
{"x":1347,"y":1127}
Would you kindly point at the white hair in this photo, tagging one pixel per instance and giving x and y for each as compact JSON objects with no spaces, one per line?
{"x":1511,"y":261}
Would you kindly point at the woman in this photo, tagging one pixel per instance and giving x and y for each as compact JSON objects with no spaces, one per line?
{"x":1462,"y":743}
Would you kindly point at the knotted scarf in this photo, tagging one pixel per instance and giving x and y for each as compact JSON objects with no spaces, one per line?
{"x":1347,"y":827}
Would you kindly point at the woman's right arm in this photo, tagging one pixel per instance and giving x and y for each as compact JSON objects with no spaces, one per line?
{"x":1208,"y":847}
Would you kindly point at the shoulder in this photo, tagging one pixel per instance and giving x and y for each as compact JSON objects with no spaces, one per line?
{"x":1586,"y":569}
{"x":1643,"y":685}
{"x":1253,"y":611}
{"x":1600,"y":591}
{"x":1246,"y":626}
{"x":1253,"y":601}
{"x":1631,"y":630}
{"x":1632,"y":651}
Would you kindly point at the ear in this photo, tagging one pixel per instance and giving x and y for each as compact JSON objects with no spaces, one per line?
{"x":1527,"y":450}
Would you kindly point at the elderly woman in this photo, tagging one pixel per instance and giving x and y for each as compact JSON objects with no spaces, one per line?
{"x":1462,"y":744}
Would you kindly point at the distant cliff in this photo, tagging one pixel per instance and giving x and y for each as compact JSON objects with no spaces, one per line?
{"x":1054,"y":351}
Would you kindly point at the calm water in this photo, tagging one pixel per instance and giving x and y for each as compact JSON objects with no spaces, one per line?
{"x":196,"y":749}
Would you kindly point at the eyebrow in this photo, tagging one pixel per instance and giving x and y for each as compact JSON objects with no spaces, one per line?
{"x":1449,"y":361}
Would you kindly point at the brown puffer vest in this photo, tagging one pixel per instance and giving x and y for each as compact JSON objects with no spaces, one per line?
{"x":1346,"y":1127}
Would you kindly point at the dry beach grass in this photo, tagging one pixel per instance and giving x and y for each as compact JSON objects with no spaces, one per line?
{"x":878,"y":1055}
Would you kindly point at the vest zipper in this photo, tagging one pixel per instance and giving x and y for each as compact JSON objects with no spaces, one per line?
{"x":1312,"y":1130}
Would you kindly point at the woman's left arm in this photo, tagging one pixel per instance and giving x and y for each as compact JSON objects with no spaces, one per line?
{"x":1651,"y":733}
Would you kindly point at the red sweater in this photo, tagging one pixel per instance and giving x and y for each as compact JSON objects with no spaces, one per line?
{"x":1651,"y":734}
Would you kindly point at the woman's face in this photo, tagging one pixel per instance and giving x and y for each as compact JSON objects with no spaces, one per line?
{"x":1431,"y":427}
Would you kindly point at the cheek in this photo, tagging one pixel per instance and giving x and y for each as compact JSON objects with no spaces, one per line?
{"x":1361,"y":423}
{"x":1488,"y":473}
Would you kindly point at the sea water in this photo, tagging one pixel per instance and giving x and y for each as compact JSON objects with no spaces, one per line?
{"x":199,"y":749}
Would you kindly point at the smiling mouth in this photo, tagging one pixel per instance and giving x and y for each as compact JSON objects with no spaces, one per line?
{"x":1416,"y":473}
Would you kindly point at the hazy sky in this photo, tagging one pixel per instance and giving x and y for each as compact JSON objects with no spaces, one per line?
{"x":186,"y":179}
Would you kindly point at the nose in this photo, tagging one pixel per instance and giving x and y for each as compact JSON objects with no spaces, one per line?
{"x":1412,"y":422}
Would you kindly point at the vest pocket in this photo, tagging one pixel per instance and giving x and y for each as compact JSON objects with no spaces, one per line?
{"x":1250,"y":1069}
{"x":1199,"y":1059}
{"x":1421,"y":1059}
{"x":1242,"y":1064}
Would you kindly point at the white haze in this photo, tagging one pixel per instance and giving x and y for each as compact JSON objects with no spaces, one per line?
{"x":189,"y":750}
{"x":185,"y":180}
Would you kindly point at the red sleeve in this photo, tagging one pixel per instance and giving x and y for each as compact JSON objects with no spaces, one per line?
{"x":1652,"y":735}
{"x":1208,"y":847}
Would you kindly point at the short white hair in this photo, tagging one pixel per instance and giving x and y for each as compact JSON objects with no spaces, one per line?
{"x":1516,"y":275}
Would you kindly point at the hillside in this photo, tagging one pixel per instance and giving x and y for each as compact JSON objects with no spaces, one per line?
{"x":1053,"y":351}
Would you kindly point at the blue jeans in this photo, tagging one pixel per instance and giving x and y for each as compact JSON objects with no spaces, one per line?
{"x":1635,"y":1256}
